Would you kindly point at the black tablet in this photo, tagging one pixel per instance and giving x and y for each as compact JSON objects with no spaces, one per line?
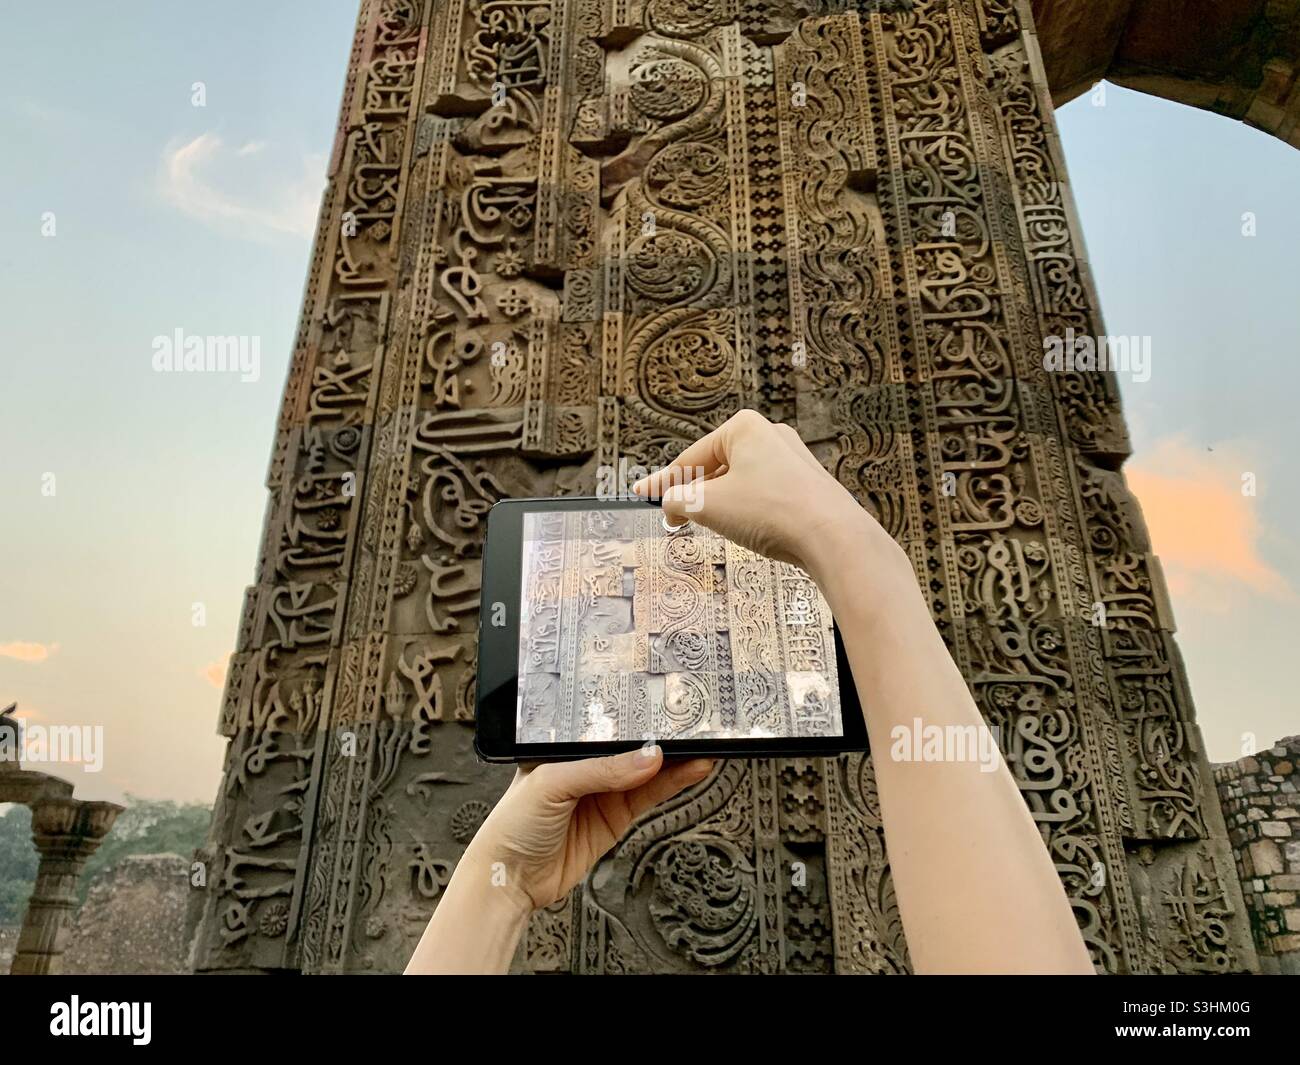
{"x":602,"y":628}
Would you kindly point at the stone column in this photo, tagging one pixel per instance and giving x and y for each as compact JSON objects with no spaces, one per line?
{"x":565,"y":238}
{"x":66,"y":833}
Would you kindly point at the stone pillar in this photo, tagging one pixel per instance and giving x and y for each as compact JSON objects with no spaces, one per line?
{"x":66,"y":833}
{"x":562,"y":238}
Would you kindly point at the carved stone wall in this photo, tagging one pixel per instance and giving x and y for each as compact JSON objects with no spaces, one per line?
{"x":564,"y":234}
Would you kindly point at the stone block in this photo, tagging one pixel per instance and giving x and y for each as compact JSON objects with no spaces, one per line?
{"x":1265,"y":857}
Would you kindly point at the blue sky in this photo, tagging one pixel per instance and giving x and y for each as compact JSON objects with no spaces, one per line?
{"x":1162,"y":192}
{"x":173,"y":216}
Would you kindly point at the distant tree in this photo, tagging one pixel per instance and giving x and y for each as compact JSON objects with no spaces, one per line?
{"x":149,"y":826}
{"x":146,"y":826}
{"x":17,"y":863}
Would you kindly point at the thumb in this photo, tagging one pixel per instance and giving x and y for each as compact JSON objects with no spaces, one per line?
{"x":566,"y":781}
{"x":685,"y":502}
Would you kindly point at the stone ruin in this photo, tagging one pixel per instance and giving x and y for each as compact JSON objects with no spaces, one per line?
{"x":66,"y":832}
{"x":133,"y":919}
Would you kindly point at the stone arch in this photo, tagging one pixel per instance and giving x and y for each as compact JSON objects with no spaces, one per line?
{"x":1237,"y":58}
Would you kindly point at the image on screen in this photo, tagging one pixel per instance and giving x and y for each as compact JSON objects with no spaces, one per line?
{"x":630,"y":632}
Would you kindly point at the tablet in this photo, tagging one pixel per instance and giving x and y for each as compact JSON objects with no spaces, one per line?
{"x":602,"y":628}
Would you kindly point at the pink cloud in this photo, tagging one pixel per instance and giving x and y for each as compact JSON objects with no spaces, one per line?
{"x":215,"y":673}
{"x":1204,"y":528}
{"x":23,"y":651}
{"x":27,"y":712}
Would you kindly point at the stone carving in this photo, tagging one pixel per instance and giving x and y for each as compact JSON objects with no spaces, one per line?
{"x":66,"y":832}
{"x":565,"y":235}
{"x":629,"y":632}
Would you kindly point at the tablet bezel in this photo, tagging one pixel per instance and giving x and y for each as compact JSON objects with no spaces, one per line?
{"x":498,"y":662}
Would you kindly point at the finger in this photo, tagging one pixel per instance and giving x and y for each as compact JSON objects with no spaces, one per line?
{"x":701,"y":459}
{"x":565,"y":781}
{"x":696,"y":501}
{"x":668,"y":782}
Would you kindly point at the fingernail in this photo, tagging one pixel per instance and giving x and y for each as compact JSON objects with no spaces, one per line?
{"x":669,"y":527}
{"x":636,"y":488}
{"x":649,"y":750}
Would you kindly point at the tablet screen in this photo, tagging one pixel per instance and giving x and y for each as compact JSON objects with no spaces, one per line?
{"x":631,"y":632}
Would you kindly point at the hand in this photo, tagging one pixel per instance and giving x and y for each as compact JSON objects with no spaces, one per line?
{"x":556,"y":820}
{"x":757,"y":484}
{"x":946,"y":822}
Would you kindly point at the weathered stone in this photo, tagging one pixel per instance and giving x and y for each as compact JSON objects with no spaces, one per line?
{"x":66,"y":832}
{"x":1235,"y":57}
{"x":1267,"y":857}
{"x":1269,"y":866}
{"x":133,"y":919}
{"x":8,"y":940}
{"x":562,"y":238}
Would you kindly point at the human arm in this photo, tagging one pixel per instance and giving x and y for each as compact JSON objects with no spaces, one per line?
{"x":543,"y":836}
{"x":976,"y":887}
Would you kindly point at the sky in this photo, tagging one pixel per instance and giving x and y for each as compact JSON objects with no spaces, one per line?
{"x":168,"y":179}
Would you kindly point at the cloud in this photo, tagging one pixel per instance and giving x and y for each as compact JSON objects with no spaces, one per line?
{"x":24,"y":712}
{"x":27,"y":652}
{"x":215,"y":673}
{"x":275,"y":205}
{"x":1205,"y":530}
{"x":40,"y":112}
